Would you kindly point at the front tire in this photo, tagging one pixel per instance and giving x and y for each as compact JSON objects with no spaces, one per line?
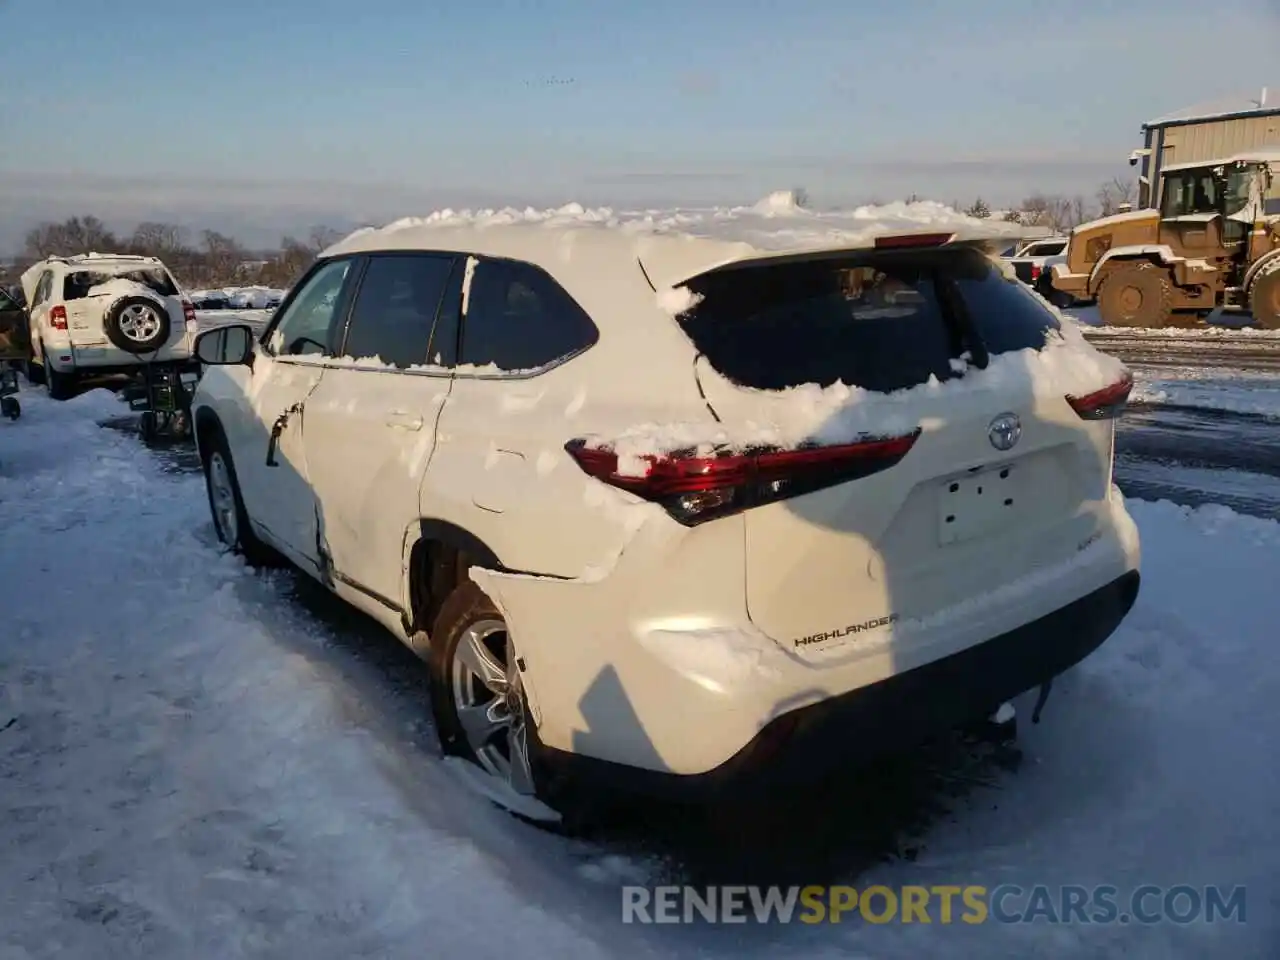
{"x":1136,"y":294}
{"x":230,"y":521}
{"x":1264,"y":297}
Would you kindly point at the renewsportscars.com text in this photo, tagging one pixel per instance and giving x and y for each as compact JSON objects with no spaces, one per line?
{"x":937,"y":904}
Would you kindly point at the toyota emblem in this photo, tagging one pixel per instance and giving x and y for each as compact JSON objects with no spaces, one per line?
{"x":1004,"y":431}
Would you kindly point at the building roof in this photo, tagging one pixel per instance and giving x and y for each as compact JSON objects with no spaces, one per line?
{"x":1261,"y":103}
{"x":1268,"y":155}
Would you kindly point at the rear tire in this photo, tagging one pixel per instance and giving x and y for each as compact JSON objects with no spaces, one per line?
{"x":477,"y":694}
{"x":230,"y":521}
{"x":1136,"y":294}
{"x":1264,"y":297}
{"x":34,"y":372}
{"x":59,"y":386}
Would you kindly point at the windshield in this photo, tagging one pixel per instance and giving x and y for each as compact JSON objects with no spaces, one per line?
{"x":1240,"y":182}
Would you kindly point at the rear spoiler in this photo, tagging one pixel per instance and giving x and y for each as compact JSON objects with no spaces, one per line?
{"x":989,"y":243}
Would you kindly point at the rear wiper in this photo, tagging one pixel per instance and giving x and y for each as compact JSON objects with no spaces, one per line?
{"x":958,"y":311}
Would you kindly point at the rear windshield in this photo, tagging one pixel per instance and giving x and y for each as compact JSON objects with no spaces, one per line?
{"x":1044,"y":250}
{"x":881,"y":321}
{"x":77,"y":284}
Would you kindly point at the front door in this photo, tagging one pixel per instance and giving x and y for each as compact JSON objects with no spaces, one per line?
{"x":271,"y":461}
{"x":371,"y":423}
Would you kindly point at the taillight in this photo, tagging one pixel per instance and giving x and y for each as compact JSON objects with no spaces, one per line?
{"x":1035,"y":272}
{"x":913,"y":240}
{"x":58,"y":317}
{"x":1105,"y":403}
{"x":694,"y":489}
{"x":189,"y":313}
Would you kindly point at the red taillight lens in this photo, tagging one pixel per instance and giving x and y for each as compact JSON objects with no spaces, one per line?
{"x":1105,"y":403}
{"x":58,"y":317}
{"x":1035,"y":272}
{"x":694,"y":489}
{"x":913,"y":240}
{"x":189,"y":312}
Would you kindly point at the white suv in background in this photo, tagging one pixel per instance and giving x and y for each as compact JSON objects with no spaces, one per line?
{"x":674,"y":513}
{"x":103,"y":313}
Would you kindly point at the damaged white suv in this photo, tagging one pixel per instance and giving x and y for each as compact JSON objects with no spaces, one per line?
{"x":100,"y":314}
{"x":676,"y":513}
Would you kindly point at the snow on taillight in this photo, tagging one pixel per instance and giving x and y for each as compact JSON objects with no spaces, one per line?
{"x":58,"y":317}
{"x":694,"y":489}
{"x":1105,"y":403}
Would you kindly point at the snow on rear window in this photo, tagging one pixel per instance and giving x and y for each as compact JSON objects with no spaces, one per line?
{"x":77,"y":283}
{"x":880,"y":321}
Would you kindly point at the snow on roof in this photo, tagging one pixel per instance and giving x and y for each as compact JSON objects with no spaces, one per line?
{"x":1257,"y":155}
{"x":673,"y":245}
{"x":1225,"y":107}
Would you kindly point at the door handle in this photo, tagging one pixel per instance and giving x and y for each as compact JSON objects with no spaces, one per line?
{"x":404,"y":421}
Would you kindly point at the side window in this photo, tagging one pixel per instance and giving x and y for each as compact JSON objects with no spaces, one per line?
{"x":519,"y":318}
{"x":306,"y":325}
{"x":395,"y":311}
{"x":42,"y":289}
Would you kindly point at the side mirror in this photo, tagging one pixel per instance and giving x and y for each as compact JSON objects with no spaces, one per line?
{"x":225,"y":346}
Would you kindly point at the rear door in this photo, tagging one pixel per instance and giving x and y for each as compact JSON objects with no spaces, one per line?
{"x":993,"y":485}
{"x":371,"y":426}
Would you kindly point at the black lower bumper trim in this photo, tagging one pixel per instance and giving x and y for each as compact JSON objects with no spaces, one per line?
{"x":885,"y":717}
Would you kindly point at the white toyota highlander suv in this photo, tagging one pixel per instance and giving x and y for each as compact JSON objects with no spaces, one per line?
{"x":100,"y":314}
{"x":671,"y":513}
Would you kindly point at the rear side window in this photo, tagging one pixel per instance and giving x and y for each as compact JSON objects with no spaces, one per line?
{"x":519,"y":318}
{"x":880,"y":321}
{"x":396,"y":307}
{"x":43,"y":289}
{"x":1007,"y":315}
{"x":77,"y":283}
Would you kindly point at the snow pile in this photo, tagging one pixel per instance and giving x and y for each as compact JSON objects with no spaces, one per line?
{"x":1220,"y":333}
{"x":839,"y":413}
{"x":123,"y":287}
{"x":677,"y":300}
{"x":778,"y":221}
{"x":785,"y":203}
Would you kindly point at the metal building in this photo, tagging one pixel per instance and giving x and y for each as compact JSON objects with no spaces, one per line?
{"x":1208,"y":132}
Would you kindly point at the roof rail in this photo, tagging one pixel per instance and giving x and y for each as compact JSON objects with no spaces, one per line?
{"x":82,"y":257}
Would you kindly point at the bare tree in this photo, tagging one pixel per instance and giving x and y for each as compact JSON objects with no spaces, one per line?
{"x":1115,"y":193}
{"x":979,"y":209}
{"x":74,"y":236}
{"x":323,"y":237}
{"x":222,"y":257}
{"x":163,"y":240}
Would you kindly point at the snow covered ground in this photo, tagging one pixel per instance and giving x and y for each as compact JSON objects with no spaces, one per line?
{"x":1252,"y":392}
{"x":198,"y":761}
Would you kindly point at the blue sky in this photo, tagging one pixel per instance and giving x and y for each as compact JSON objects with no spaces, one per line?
{"x":261,"y":116}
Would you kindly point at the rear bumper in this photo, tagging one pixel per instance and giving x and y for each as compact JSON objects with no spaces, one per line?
{"x":887,"y":716}
{"x":104,"y":359}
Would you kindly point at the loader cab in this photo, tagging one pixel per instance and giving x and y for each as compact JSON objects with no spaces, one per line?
{"x":1213,"y":206}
